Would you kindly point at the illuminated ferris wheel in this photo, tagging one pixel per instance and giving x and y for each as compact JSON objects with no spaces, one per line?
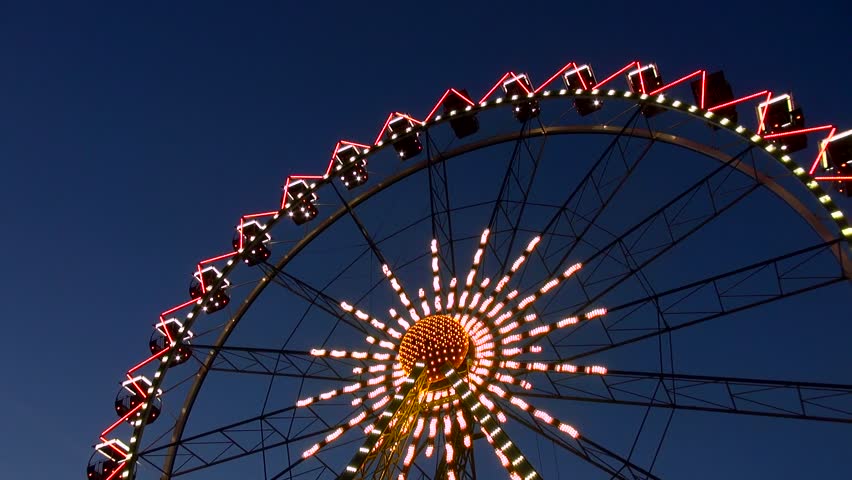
{"x":544,"y":281}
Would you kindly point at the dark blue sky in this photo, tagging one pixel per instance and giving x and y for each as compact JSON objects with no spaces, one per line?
{"x":132,"y":137}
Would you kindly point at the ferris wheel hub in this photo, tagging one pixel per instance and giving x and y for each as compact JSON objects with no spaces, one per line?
{"x":434,"y":340}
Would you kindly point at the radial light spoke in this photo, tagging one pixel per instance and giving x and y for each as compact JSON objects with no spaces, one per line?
{"x":510,"y":456}
{"x":406,"y":398}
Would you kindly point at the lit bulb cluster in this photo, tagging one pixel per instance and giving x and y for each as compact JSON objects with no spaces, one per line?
{"x":469,"y":341}
{"x":436,"y":341}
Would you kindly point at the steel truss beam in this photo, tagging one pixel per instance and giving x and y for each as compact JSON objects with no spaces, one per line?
{"x":515,"y":188}
{"x":279,"y":428}
{"x":589,"y":451}
{"x":440,"y":207}
{"x":825,"y":402}
{"x":279,"y":362}
{"x":714,"y":297}
{"x":628,"y":253}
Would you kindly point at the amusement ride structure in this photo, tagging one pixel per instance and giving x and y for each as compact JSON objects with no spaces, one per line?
{"x":529,"y":272}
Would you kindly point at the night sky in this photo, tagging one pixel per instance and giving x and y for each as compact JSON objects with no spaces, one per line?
{"x":132,"y":137}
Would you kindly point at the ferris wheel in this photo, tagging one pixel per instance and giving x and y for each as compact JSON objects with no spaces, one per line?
{"x":543,"y":281}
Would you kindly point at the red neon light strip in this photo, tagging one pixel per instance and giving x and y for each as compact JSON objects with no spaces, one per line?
{"x":435,"y":108}
{"x":255,"y":215}
{"x":739,"y":100}
{"x":337,"y":149}
{"x":182,"y":305}
{"x":240,"y":233}
{"x":347,"y":142}
{"x":120,"y":421}
{"x":297,"y":178}
{"x":147,"y":360}
{"x":138,"y":388}
{"x":522,"y":84}
{"x":556,"y":75}
{"x":201,"y":280}
{"x":833,"y":178}
{"x":677,"y":82}
{"x":763,"y":113}
{"x":821,"y":151}
{"x":220,"y":257}
{"x":496,"y":86}
{"x":582,"y":82}
{"x":118,"y":450}
{"x":166,"y":330}
{"x":329,"y":167}
{"x":410,"y":118}
{"x":444,"y":97}
{"x":797,"y":132}
{"x":382,"y":131}
{"x":387,"y":122}
{"x":463,"y":97}
{"x":116,"y":472}
{"x":641,"y":80}
{"x":703,"y":87}
{"x":624,"y":69}
{"x":284,"y":194}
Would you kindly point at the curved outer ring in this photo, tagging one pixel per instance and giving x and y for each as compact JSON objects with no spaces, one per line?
{"x":643,"y":99}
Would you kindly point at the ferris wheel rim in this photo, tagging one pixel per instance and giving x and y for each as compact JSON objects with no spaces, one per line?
{"x":663,"y":102}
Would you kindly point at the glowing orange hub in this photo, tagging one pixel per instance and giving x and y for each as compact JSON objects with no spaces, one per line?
{"x":435,"y":340}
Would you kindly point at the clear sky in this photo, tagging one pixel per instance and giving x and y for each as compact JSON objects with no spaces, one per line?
{"x":133,"y":135}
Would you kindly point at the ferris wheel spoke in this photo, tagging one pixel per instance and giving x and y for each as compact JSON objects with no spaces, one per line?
{"x":603,"y":179}
{"x":404,"y":298}
{"x":601,"y":276}
{"x":576,"y":217}
{"x":607,"y":456}
{"x":581,"y":447}
{"x":513,"y":194}
{"x":599,"y":270}
{"x":788,"y":399}
{"x":341,"y":310}
{"x":276,"y":362}
{"x":752,"y":286}
{"x":239,"y":440}
{"x":578,"y":448}
{"x":314,"y":472}
{"x":578,"y":214}
{"x":440,"y":208}
{"x":315,"y":297}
